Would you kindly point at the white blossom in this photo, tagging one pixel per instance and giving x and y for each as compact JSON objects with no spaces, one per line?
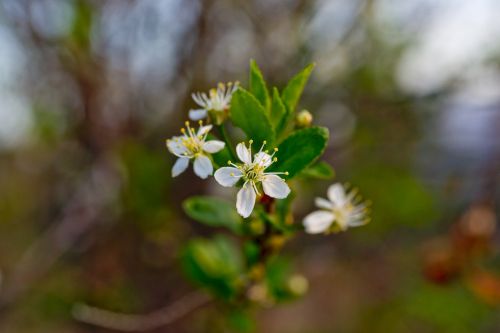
{"x":217,"y":100}
{"x":252,"y":172}
{"x":341,"y":211}
{"x":193,"y":145}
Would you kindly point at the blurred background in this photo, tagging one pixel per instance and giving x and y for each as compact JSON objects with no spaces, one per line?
{"x":410,"y":91}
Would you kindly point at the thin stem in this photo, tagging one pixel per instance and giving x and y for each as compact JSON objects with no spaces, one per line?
{"x":223,"y":133}
{"x":139,"y":323}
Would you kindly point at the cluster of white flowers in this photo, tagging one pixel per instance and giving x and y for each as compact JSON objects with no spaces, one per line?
{"x":193,"y":145}
{"x":341,"y":211}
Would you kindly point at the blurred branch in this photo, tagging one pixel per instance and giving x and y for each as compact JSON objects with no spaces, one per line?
{"x":82,"y":212}
{"x":140,"y":323}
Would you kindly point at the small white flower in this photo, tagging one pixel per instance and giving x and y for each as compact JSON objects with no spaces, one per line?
{"x":194,"y":145}
{"x":252,"y":172}
{"x":342,"y":208}
{"x":217,"y":100}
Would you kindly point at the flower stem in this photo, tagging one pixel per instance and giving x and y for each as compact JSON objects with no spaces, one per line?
{"x":223,"y":133}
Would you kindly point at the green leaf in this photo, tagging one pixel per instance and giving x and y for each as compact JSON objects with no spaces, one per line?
{"x":213,"y":212}
{"x":278,"y":111}
{"x":320,"y":170}
{"x":250,"y":116}
{"x":300,"y":150}
{"x":220,"y":158}
{"x":258,"y":85}
{"x":215,"y":264}
{"x":292,"y":92}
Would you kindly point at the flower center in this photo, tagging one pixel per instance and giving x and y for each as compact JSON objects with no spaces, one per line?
{"x":252,"y":172}
{"x":192,"y":144}
{"x":191,"y":141}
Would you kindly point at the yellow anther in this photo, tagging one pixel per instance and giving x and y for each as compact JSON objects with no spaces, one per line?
{"x":200,"y":122}
{"x":275,"y":159}
{"x":264,"y":142}
{"x":286,"y":173}
{"x":187,"y":123}
{"x":183,"y":130}
{"x":276,"y":149}
{"x":229,"y":162}
{"x":232,"y":174}
{"x":250,"y":142}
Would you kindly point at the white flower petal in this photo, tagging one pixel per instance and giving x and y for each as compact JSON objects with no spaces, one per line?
{"x":213,"y":146}
{"x":275,"y":187}
{"x":180,"y":166}
{"x":318,"y":221}
{"x":263,"y":159}
{"x":323,"y":203}
{"x":227,"y":176}
{"x":197,"y":114}
{"x":203,"y":166}
{"x":336,"y":194}
{"x":204,"y":130}
{"x":176,"y":147}
{"x":243,"y":153}
{"x":245,"y":200}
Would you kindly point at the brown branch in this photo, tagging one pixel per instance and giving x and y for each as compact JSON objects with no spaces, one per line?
{"x":82,"y":213}
{"x":140,"y":323}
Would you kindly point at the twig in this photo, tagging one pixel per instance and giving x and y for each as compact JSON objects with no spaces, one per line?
{"x":140,"y":323}
{"x":83,"y":212}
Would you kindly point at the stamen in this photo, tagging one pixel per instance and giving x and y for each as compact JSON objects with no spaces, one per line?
{"x":263,"y":144}
{"x":255,"y":188}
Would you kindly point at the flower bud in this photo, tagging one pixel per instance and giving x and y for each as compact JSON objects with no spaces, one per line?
{"x":298,"y":285}
{"x":304,"y":119}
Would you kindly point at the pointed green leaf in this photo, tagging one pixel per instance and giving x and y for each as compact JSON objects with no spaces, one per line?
{"x":300,"y":150}
{"x":320,"y":170}
{"x":293,"y":90}
{"x":258,"y":85}
{"x":250,"y":116}
{"x":278,"y":111}
{"x":213,"y":212}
